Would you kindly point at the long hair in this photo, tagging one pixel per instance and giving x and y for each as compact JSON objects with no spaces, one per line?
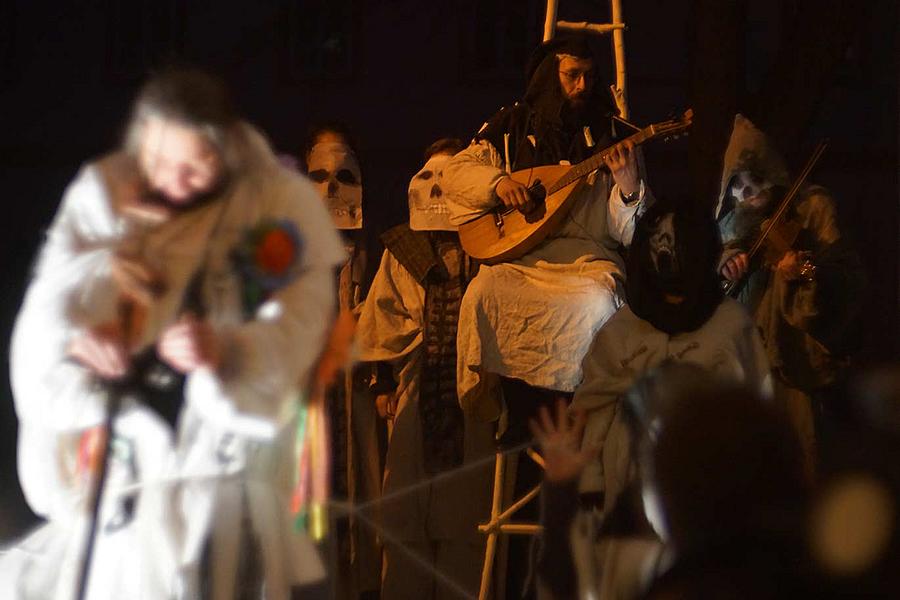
{"x":543,"y":91}
{"x":189,"y":97}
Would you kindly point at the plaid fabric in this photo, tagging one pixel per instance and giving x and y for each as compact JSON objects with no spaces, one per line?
{"x":413,"y":250}
{"x":436,"y":260}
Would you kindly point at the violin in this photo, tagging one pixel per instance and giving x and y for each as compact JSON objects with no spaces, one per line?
{"x":779,"y":234}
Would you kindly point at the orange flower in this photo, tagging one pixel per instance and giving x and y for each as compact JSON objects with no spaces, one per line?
{"x":275,"y":252}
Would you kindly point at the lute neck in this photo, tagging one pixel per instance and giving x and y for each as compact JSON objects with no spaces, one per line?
{"x":593,"y":163}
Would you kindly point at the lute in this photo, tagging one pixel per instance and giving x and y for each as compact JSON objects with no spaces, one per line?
{"x":503,"y":234}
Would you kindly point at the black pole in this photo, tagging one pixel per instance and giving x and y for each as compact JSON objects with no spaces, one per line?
{"x":112,"y":409}
{"x":115,"y":391}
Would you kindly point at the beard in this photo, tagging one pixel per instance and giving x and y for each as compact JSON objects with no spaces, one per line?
{"x":577,"y":102}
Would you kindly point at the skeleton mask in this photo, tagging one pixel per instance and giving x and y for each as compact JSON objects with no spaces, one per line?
{"x":662,"y":247}
{"x":335,"y":172}
{"x":427,"y":208}
{"x":747,"y":186}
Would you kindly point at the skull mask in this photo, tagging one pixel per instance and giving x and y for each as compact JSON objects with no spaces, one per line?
{"x":334,"y":170}
{"x":427,"y":207}
{"x":662,"y":247}
{"x":747,"y":186}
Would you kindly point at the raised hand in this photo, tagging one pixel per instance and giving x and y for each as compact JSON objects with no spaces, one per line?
{"x":102,"y":350}
{"x":622,"y":163}
{"x":791,"y":266}
{"x":560,"y":441}
{"x":735,"y":267}
{"x":189,"y":345}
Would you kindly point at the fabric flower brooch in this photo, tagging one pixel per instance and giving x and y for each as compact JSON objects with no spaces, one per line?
{"x":268,"y":258}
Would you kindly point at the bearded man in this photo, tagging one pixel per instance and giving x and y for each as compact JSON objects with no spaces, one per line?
{"x":530,"y":321}
{"x":192,"y":275}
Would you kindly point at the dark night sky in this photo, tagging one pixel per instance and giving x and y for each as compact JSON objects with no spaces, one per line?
{"x":403,"y":73}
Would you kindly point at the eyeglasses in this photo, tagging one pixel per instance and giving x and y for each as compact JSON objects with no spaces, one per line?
{"x":574,"y":76}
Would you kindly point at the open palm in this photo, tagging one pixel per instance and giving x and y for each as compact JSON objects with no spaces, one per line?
{"x":560,"y":441}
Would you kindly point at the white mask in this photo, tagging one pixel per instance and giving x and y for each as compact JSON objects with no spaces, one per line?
{"x":662,"y":246}
{"x":335,"y":172}
{"x":427,"y":206}
{"x":747,"y":186}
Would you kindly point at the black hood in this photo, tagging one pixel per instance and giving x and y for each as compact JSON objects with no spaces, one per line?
{"x":674,"y":252}
{"x":543,"y":93}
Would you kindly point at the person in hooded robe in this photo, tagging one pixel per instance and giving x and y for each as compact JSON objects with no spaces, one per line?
{"x":530,"y":321}
{"x":189,"y":274}
{"x":331,"y":159}
{"x":675,"y":312}
{"x":806,"y":304}
{"x":408,"y":326}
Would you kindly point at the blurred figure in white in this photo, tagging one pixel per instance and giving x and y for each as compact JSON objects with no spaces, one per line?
{"x":192,"y":274}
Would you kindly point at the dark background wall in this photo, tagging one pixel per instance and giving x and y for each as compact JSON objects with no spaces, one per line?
{"x":403,"y":73}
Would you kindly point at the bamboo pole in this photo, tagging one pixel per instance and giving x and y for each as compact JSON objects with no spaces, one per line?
{"x":619,"y":51}
{"x":491,"y":546}
{"x":550,"y":20}
{"x":521,"y":529}
{"x":591,"y":27}
{"x":537,"y":458}
{"x":497,"y":521}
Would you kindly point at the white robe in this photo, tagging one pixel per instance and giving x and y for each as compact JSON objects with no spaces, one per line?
{"x":235,"y":433}
{"x":534,"y":318}
{"x":627,"y":347}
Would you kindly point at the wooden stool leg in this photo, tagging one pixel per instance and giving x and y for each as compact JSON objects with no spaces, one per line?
{"x":496,"y":508}
{"x":501,"y":562}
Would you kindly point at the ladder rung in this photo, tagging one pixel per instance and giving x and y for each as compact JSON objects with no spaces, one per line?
{"x":592,"y":27}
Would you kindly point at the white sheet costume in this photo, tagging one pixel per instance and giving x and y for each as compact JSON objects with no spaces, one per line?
{"x":230,"y":463}
{"x":626,"y":347}
{"x":534,"y":318}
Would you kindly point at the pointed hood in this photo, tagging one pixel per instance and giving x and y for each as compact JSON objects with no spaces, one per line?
{"x":749,"y":149}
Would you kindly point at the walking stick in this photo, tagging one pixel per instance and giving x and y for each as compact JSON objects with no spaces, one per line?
{"x":115,"y":392}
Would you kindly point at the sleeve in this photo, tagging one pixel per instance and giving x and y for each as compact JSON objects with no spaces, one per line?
{"x":826,"y":307}
{"x":390,"y":324}
{"x":605,"y":381}
{"x":269,"y":357}
{"x":751,"y":353}
{"x":622,"y":217}
{"x":56,"y":398}
{"x":604,"y":377}
{"x":470,"y":179}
